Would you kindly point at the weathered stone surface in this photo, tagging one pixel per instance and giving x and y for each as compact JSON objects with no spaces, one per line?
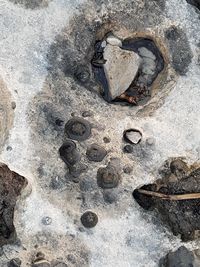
{"x":182,"y":257}
{"x":120,"y":69}
{"x":183,"y":216}
{"x":112,"y":40}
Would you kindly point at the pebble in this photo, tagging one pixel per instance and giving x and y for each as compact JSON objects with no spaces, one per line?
{"x":46,"y":220}
{"x":120,"y":69}
{"x":87,"y":114}
{"x":179,"y":168}
{"x":89,"y":219}
{"x":108,"y":177}
{"x":106,"y":140}
{"x":71,"y":258}
{"x":69,"y":153}
{"x":112,"y":40}
{"x":144,"y":52}
{"x":96,"y":153}
{"x":132,"y":136}
{"x":78,"y":129}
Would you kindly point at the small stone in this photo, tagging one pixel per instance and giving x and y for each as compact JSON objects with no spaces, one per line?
{"x":96,"y":153}
{"x":13,"y":105}
{"x":179,"y":168}
{"x":127,"y":169}
{"x":40,"y":256}
{"x":8,"y":148}
{"x":106,"y":140}
{"x":87,"y":114}
{"x":108,"y":177}
{"x":59,"y":122}
{"x":144,"y":52}
{"x":128,"y":149}
{"x":68,"y":153}
{"x":103,"y":44}
{"x":16,"y":262}
{"x":120,"y":69}
{"x":78,"y":129}
{"x":89,"y":219}
{"x":46,"y":220}
{"x":112,"y":40}
{"x":132,"y":136}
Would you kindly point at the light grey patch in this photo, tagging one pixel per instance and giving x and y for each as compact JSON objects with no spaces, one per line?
{"x":31,"y":4}
{"x":53,"y":243}
{"x":181,"y":54}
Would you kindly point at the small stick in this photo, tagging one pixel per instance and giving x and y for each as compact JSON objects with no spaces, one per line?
{"x":170,"y":197}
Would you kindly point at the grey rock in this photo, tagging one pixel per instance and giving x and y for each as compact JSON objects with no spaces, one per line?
{"x":120,"y":69}
{"x":112,"y":40}
{"x":179,"y":258}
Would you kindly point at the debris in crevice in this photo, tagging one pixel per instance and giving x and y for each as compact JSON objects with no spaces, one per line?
{"x":121,"y":81}
{"x":176,"y":197}
{"x":11,"y":185}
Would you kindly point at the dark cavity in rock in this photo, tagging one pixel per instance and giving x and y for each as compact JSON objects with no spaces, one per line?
{"x":108,"y":177}
{"x":69,"y":153}
{"x":89,"y":219}
{"x":174,"y":200}
{"x":96,"y":153}
{"x":152,"y":63}
{"x":11,"y":185}
{"x":78,"y":129}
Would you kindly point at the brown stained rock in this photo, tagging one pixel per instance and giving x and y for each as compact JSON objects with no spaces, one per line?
{"x":11,"y":185}
{"x":175,"y":200}
{"x":120,"y":69}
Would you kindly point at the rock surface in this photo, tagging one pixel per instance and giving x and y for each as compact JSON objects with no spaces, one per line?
{"x":120,"y":69}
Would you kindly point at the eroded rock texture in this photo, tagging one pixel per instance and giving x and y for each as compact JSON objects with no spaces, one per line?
{"x":11,"y":185}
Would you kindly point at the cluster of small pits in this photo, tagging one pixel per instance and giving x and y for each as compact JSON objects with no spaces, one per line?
{"x":79,"y":129}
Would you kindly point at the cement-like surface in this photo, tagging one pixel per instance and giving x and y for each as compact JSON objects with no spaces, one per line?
{"x":39,"y":47}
